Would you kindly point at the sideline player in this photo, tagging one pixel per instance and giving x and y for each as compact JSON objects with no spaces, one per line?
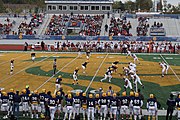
{"x":113,"y":105}
{"x":33,"y":56}
{"x":25,"y":103}
{"x":58,"y":83}
{"x":151,"y":107}
{"x":59,"y":98}
{"x":84,"y":65}
{"x":11,"y":102}
{"x":52,"y":105}
{"x":84,"y":105}
{"x":108,"y":74}
{"x":34,"y":100}
{"x":4,"y":104}
{"x":42,"y":102}
{"x":75,"y":74}
{"x":11,"y":66}
{"x":69,"y":107}
{"x":90,"y":107}
{"x":103,"y":104}
{"x":124,"y":101}
{"x":178,"y":106}
{"x":77,"y":106}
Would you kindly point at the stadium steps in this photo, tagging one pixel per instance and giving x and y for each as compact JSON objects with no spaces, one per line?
{"x":43,"y":27}
{"x":105,"y":21}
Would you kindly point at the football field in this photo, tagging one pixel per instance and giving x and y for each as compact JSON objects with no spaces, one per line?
{"x":39,"y":74}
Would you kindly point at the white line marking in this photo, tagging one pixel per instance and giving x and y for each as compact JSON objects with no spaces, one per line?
{"x":11,"y":58}
{"x":96,"y":73}
{"x":56,"y":73}
{"x":23,"y":69}
{"x":170,"y":67}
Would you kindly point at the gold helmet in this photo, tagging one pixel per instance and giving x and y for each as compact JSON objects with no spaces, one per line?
{"x":84,"y":94}
{"x":69,"y":96}
{"x":179,"y":96}
{"x":104,"y":94}
{"x":90,"y":95}
{"x":151,"y":96}
{"x":136,"y":94}
{"x":77,"y":93}
{"x":58,"y":93}
{"x":108,"y":93}
{"x":24,"y":91}
{"x":97,"y":96}
{"x":59,"y":76}
{"x":114,"y":94}
{"x":4,"y":93}
{"x":131,"y":93}
{"x":68,"y":92}
{"x":43,"y":90}
{"x":111,"y":69}
{"x":36,"y":92}
{"x":124,"y":94}
{"x":53,"y":96}
{"x":11,"y":90}
{"x":87,"y":61}
{"x":77,"y":68}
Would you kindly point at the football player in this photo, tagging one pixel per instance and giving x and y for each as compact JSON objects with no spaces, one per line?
{"x":4,"y":105}
{"x":128,"y":54}
{"x":75,"y":74}
{"x":127,"y":83}
{"x":33,"y":56}
{"x":42,"y":102}
{"x":54,"y":66}
{"x":135,"y":58}
{"x":46,"y":103}
{"x":11,"y":66}
{"x":108,"y":74}
{"x":132,"y":67}
{"x":178,"y":106}
{"x":109,"y":97}
{"x":58,"y":83}
{"x":151,"y":107}
{"x":137,"y":104}
{"x":69,"y":107}
{"x":11,"y":101}
{"x":87,"y":54}
{"x":115,"y":62}
{"x":163,"y":68}
{"x":114,"y":105}
{"x":126,"y":71}
{"x":84,"y":65}
{"x":131,"y":97}
{"x":124,"y":103}
{"x":97,"y":105}
{"x":52,"y":105}
{"x":137,"y":79}
{"x":76,"y":105}
{"x":25,"y":103}
{"x":90,"y":107}
{"x":59,"y":97}
{"x":166,"y":66}
{"x":103,"y":104}
{"x":34,"y":100}
{"x":84,"y":105}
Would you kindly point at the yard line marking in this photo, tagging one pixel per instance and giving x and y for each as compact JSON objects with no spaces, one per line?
{"x":11,"y":58}
{"x":170,"y":67}
{"x":96,"y":73}
{"x":56,"y":73}
{"x":24,"y":69}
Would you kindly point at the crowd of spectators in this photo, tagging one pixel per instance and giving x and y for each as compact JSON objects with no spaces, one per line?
{"x":119,"y":27}
{"x":5,"y":27}
{"x":27,"y":28}
{"x":142,"y":28}
{"x":104,"y":46}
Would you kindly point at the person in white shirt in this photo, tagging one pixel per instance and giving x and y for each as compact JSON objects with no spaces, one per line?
{"x":135,"y":58}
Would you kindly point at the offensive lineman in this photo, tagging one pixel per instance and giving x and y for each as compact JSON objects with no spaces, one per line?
{"x":151,"y":107}
{"x":75,"y":74}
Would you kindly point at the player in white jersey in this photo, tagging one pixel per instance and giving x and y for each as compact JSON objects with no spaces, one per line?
{"x":11,"y":66}
{"x":164,"y":67}
{"x":135,"y":58}
{"x":127,"y":83}
{"x":136,"y":79}
{"x":132,"y":67}
{"x":128,"y":53}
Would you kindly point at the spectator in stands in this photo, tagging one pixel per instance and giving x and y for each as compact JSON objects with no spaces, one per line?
{"x":171,"y":105}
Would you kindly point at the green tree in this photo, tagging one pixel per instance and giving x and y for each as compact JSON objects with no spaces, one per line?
{"x":144,"y":4}
{"x":2,"y":8}
{"x":129,"y":5}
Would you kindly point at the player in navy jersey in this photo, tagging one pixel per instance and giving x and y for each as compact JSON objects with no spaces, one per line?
{"x":58,"y":83}
{"x":76,"y":105}
{"x":69,"y":107}
{"x":42,"y":101}
{"x":25,"y":102}
{"x":151,"y":107}
{"x":178,"y":106}
{"x":11,"y":102}
{"x":114,"y":106}
{"x":75,"y":74}
{"x":103,"y":104}
{"x":108,"y":102}
{"x":108,"y":74}
{"x":124,"y":101}
{"x":46,"y":101}
{"x":4,"y":104}
{"x":137,"y":104}
{"x":97,"y":105}
{"x":131,"y":97}
{"x":90,"y":107}
{"x":59,"y":97}
{"x":84,"y":65}
{"x":34,"y":100}
{"x":84,"y":105}
{"x":52,"y":105}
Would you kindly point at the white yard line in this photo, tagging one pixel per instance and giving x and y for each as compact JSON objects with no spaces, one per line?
{"x":56,"y":73}
{"x":11,"y":58}
{"x":24,"y":69}
{"x":170,"y":67}
{"x":96,"y":72}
